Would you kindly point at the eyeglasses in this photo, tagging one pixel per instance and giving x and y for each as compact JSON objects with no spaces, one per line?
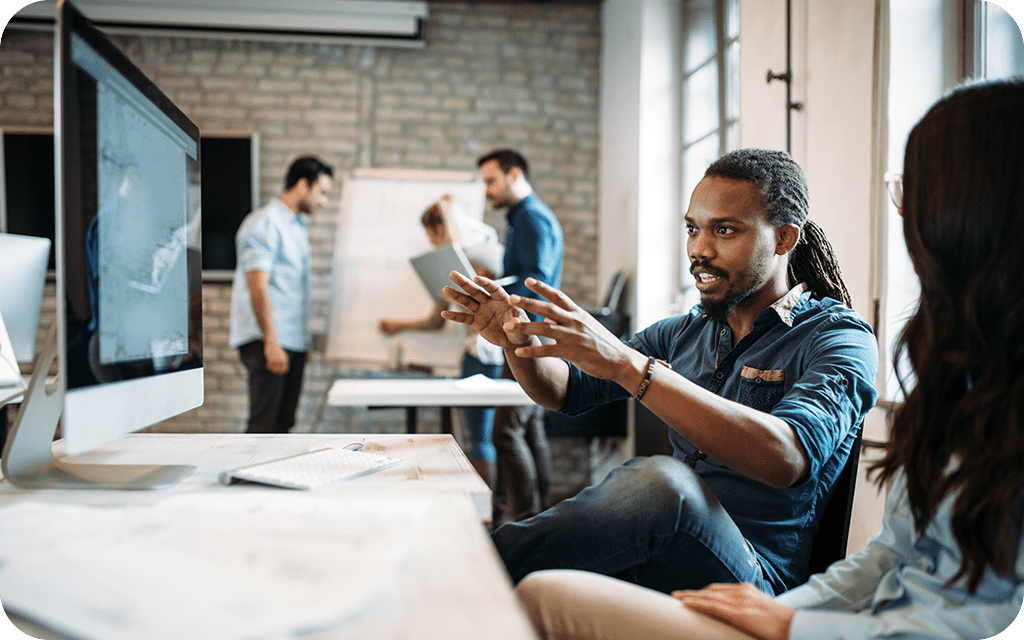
{"x":894,"y":182}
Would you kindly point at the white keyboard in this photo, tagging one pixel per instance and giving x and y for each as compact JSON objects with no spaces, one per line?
{"x":312,"y":469}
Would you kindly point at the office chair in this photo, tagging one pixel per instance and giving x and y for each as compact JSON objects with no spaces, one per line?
{"x":834,"y":527}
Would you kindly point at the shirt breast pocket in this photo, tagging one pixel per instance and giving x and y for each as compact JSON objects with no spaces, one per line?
{"x":761,"y":389}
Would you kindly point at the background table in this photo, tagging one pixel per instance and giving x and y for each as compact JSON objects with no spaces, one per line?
{"x":451,"y":583}
{"x":411,"y":393}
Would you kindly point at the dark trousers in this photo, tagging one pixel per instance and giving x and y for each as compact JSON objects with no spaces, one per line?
{"x":524,"y":462}
{"x":273,"y":399}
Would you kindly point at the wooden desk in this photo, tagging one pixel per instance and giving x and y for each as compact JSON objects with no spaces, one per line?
{"x":426,"y":392}
{"x":450,"y":583}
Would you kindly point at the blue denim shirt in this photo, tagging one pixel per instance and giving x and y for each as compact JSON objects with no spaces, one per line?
{"x":276,"y":240}
{"x":813,"y":365}
{"x":533,"y":246}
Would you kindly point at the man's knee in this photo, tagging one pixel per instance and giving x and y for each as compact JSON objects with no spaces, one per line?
{"x":664,"y":480}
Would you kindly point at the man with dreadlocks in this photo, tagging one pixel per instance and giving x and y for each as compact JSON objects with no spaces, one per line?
{"x":764,"y":386}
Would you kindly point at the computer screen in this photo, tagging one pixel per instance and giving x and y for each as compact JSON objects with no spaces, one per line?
{"x":21,"y":289}
{"x":129,"y":311}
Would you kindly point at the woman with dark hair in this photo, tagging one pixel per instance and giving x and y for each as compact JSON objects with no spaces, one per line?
{"x":446,"y":223}
{"x":949,"y":561}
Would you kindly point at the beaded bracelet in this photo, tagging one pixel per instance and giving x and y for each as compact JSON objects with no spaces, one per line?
{"x":646,"y":382}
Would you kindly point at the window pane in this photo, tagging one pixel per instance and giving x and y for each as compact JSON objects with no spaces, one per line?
{"x":699,"y":35}
{"x":732,"y":136}
{"x":1004,"y":49}
{"x":700,"y":103}
{"x":732,"y":87}
{"x":732,"y":19}
{"x":696,"y":160}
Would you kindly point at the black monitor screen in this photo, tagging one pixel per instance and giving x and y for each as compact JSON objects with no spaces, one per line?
{"x":131,"y":221}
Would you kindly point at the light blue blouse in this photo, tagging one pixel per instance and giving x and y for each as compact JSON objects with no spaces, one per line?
{"x":895,"y":587}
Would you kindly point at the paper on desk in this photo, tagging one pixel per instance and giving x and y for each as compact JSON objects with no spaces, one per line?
{"x":477,"y":381}
{"x":226,"y":567}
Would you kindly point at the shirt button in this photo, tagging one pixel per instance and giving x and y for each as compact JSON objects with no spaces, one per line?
{"x":757,"y":380}
{"x":719,"y":375}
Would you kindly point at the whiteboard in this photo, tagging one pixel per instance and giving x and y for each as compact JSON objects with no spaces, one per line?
{"x":378,"y":230}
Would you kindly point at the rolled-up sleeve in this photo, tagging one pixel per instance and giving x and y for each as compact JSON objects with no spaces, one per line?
{"x":835,"y":390}
{"x":971,"y":619}
{"x":258,"y":246}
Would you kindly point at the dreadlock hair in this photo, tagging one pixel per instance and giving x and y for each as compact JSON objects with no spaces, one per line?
{"x":783,"y":191}
{"x":960,"y":430}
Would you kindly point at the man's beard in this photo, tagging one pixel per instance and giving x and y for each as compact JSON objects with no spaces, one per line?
{"x":501,"y":203}
{"x":720,"y":310}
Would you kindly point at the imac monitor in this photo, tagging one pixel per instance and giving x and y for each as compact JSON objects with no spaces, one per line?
{"x":128,"y":338}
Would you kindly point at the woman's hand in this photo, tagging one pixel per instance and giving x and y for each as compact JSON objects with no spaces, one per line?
{"x":390,"y":327}
{"x":742,"y":606}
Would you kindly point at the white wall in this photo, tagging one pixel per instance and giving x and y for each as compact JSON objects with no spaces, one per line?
{"x":618,"y":167}
{"x":833,"y":77}
{"x":639,"y":159}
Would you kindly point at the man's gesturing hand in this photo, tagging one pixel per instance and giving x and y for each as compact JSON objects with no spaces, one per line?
{"x":577,"y":336}
{"x":488,"y":308}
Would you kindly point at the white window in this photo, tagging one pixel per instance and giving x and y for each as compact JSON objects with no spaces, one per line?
{"x":994,"y":43}
{"x":710,"y":102}
{"x":934,"y":46}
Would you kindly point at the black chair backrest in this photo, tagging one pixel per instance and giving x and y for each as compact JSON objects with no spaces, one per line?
{"x":834,"y":528}
{"x":613,"y":299}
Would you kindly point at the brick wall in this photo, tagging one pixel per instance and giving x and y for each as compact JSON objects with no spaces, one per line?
{"x":489,"y":76}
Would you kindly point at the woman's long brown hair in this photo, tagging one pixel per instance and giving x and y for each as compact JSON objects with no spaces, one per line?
{"x":960,"y":430}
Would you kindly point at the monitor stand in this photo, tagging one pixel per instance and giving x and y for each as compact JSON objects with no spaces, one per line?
{"x":28,"y":461}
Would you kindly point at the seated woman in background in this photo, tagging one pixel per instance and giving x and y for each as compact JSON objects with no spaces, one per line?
{"x":949,"y":561}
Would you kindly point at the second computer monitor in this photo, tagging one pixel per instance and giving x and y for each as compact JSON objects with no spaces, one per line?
{"x":22,"y":278}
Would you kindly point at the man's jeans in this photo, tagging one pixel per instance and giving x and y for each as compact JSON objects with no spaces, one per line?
{"x":652,"y":521}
